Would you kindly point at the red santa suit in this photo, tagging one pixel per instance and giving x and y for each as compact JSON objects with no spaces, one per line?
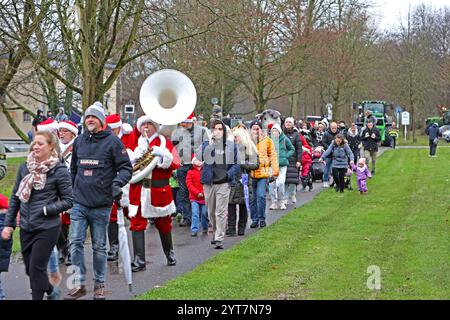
{"x":155,"y":197}
{"x":127,"y":137}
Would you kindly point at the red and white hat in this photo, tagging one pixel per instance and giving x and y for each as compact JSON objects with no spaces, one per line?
{"x":113,"y":121}
{"x":145,"y":119}
{"x":48,"y":125}
{"x":69,"y":125}
{"x":190,"y":119}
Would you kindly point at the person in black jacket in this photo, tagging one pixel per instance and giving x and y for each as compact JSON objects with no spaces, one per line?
{"x":370,"y":137}
{"x":42,"y":190}
{"x":295,"y":161}
{"x":248,"y":160}
{"x":433,"y":133}
{"x":5,"y":245}
{"x":354,"y":140}
{"x":100,"y":167}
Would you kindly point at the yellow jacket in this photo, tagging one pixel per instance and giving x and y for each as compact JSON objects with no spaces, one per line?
{"x":267,"y":159}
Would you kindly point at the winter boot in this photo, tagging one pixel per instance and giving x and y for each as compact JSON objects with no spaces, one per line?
{"x":113,"y":237}
{"x":138,"y":263}
{"x":166,"y":241}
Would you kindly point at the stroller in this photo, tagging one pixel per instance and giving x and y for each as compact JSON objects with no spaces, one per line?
{"x":317,"y":167}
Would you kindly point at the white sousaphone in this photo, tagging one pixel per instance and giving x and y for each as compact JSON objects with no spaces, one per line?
{"x":167,"y":97}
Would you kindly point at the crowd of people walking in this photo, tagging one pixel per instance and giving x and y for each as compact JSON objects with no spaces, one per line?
{"x":214,"y":178}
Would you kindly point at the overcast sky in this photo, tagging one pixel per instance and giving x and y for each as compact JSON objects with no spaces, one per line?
{"x":389,"y":11}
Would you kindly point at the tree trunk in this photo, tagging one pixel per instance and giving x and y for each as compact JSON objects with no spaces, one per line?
{"x":13,"y":125}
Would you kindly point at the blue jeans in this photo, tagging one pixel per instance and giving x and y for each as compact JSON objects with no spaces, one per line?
{"x":258,"y":202}
{"x":196,"y":208}
{"x":327,"y":170}
{"x":2,"y":292}
{"x":97,"y":219}
{"x":53,"y":262}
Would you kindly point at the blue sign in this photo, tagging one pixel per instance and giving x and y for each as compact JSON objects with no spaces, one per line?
{"x":398,"y":109}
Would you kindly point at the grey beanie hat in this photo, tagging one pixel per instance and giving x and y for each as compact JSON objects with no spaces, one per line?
{"x":96,"y":110}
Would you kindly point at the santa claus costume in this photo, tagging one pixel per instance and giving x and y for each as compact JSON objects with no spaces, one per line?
{"x":153,"y":197}
{"x":124,"y":133}
{"x":66,"y":155}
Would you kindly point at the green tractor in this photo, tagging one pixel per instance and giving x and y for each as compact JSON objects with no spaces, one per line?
{"x":443,"y":120}
{"x":379,"y":110}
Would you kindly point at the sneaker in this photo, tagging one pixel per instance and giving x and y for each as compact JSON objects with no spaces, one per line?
{"x":326,"y":185}
{"x":213,"y":242}
{"x":310,"y":188}
{"x":184,"y":223}
{"x":273,"y":206}
{"x":55,"y":295}
{"x":262,"y":224}
{"x":99,"y":291}
{"x":293,"y":198}
{"x":219,"y":245}
{"x":282,"y":206}
{"x":205,"y":231}
{"x":76,"y":293}
{"x":194,"y":234}
{"x":254,"y":225}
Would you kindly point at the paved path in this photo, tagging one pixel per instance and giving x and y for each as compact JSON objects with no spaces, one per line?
{"x":189,"y":253}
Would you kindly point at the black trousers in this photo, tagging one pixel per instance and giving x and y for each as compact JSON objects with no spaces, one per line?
{"x":338,"y":177}
{"x":232,"y":215}
{"x":433,"y":148}
{"x":36,"y":249}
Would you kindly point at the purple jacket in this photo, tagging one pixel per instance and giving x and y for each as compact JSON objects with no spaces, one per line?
{"x":362,"y":173}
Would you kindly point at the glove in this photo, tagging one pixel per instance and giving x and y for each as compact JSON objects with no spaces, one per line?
{"x":116,"y":192}
{"x":373,"y":136}
{"x":367,"y":134}
{"x":158,"y":151}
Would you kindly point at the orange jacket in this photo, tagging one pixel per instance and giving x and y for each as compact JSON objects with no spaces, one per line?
{"x":267,"y":159}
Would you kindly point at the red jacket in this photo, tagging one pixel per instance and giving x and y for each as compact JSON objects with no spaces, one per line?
{"x":194,"y":185}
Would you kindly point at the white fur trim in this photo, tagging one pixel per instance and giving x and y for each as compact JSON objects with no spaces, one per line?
{"x":145,"y":119}
{"x":48,"y":127}
{"x":115,"y":125}
{"x":306,"y":149}
{"x":132,"y":210}
{"x":69,"y":127}
{"x":127,"y":128}
{"x":149,"y":211}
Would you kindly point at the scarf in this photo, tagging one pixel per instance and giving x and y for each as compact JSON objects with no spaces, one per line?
{"x":36,"y":178}
{"x":64,"y":147}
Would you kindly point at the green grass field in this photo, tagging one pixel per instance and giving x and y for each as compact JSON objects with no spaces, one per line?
{"x":6,"y":186}
{"x":422,"y":140}
{"x":324,"y":249}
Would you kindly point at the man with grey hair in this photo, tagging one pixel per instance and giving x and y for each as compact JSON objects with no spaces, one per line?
{"x":100,"y":167}
{"x":187,"y":138}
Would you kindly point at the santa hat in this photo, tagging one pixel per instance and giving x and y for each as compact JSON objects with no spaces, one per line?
{"x":3,"y":202}
{"x":189,"y":119}
{"x":48,"y":125}
{"x":69,"y":125}
{"x":275,"y":126}
{"x":113,"y":121}
{"x":290,"y":119}
{"x":145,"y":119}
